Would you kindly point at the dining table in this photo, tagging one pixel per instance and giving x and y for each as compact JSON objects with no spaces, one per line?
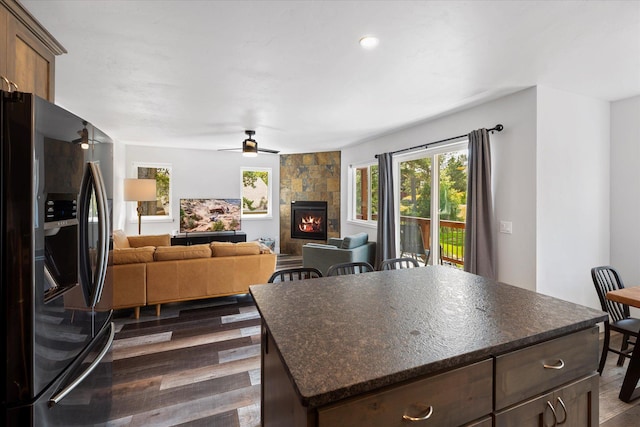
{"x":630,"y":390}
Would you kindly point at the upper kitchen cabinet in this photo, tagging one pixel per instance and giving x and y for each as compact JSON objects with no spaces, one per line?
{"x":27,"y":51}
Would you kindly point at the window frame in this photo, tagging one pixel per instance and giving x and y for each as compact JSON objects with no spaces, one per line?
{"x":255,"y":217}
{"x":353,"y":191}
{"x":133,"y":213}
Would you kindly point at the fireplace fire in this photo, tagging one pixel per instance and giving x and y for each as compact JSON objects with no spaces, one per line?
{"x":309,"y":220}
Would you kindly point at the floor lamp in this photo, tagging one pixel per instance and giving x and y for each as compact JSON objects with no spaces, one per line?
{"x":139,"y":190}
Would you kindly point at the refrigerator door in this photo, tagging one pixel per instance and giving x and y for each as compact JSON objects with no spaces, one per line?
{"x":81,"y":397}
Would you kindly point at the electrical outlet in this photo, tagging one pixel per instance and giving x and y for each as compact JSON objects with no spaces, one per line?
{"x":506,"y":227}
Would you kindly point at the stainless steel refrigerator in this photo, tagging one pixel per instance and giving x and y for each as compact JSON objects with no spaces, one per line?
{"x":57,"y":187}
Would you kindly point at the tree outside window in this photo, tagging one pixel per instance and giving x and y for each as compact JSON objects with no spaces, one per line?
{"x":256,"y":193}
{"x":161,"y":207}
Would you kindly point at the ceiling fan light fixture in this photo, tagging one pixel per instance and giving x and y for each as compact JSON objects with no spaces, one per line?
{"x":249,"y":148}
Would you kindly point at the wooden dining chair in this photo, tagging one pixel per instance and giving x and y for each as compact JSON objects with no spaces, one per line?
{"x":398,"y":263}
{"x":345,"y":268}
{"x":294,"y":274}
{"x":605,"y":279}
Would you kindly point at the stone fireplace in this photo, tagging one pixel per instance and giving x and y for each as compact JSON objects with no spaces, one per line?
{"x":309,"y":220}
{"x":310,"y":176}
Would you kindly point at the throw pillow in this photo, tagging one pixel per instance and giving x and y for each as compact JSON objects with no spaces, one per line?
{"x":120,"y":240}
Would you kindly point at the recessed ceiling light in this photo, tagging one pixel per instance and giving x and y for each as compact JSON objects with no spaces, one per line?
{"x":369,"y":42}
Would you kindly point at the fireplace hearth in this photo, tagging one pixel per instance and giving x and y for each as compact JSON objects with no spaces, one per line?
{"x":309,"y":220}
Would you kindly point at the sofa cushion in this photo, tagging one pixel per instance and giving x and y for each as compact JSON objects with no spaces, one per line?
{"x":354,"y":241}
{"x":149,"y":240}
{"x":133,"y":255}
{"x":220,"y":249}
{"x":120,"y":240}
{"x":167,"y":253}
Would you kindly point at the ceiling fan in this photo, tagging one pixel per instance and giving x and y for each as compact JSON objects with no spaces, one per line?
{"x":84,"y":137}
{"x":250,"y":146}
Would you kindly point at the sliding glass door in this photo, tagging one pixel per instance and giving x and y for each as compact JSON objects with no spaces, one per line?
{"x":432,"y":204}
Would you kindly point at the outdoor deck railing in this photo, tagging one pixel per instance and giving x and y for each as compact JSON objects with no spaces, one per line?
{"x":451,"y":237}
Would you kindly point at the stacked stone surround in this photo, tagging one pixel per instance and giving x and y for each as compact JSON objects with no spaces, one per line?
{"x":312,"y":176}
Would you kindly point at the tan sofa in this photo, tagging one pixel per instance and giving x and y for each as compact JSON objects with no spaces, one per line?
{"x":146,"y":270}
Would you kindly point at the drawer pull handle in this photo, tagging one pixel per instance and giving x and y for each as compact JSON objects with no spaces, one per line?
{"x":425,"y":417}
{"x":559,"y":365}
{"x":564,"y":408}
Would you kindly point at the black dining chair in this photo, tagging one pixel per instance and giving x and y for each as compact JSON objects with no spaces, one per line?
{"x":294,"y":274}
{"x":345,"y":268}
{"x":605,"y":279}
{"x":398,"y":263}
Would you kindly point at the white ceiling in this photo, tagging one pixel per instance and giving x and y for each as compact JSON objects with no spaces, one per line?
{"x":198,"y":73}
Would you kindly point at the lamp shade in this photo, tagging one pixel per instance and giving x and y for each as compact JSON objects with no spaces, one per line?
{"x":249,"y":148}
{"x":139,"y":190}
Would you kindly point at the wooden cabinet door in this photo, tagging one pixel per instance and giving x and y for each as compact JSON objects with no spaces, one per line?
{"x":29,"y":63}
{"x":4,"y":15}
{"x":574,"y":405}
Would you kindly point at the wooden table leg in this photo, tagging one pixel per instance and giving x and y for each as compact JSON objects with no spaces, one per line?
{"x":629,"y":390}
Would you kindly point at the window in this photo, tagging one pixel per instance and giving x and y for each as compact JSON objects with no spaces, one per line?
{"x":256,"y":193}
{"x":434,"y":195}
{"x":160,"y":209}
{"x":365,"y":193}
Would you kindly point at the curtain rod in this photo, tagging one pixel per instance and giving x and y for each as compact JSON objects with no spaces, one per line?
{"x":496,"y":128}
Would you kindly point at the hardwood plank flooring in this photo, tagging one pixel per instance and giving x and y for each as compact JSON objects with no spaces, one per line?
{"x":199,"y":365}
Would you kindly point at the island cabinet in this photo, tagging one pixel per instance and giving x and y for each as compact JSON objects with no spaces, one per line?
{"x":427,"y":347}
{"x":27,"y":52}
{"x":551,"y":382}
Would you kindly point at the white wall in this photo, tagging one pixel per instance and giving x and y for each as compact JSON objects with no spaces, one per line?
{"x":199,"y":173}
{"x":572,"y":194}
{"x":625,"y":189}
{"x":514,"y":172}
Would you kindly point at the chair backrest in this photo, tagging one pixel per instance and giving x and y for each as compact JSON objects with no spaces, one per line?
{"x":294,"y":274}
{"x":411,"y":241}
{"x":398,"y":263}
{"x":345,"y":268}
{"x":605,"y":279}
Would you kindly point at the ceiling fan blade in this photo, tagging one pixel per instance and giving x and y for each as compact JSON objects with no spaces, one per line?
{"x":267,"y":150}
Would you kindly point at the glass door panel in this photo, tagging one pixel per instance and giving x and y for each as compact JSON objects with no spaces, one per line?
{"x":431,"y":196}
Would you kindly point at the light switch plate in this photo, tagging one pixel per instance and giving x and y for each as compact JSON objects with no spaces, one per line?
{"x":506,"y":227}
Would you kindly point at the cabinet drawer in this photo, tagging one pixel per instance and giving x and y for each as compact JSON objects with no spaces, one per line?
{"x":522,"y":374}
{"x":454,"y":398}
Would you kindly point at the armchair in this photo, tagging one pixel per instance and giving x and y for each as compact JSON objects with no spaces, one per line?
{"x":355,"y":248}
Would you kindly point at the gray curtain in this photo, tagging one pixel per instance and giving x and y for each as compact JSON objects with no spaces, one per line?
{"x":479,"y":235}
{"x":386,"y":239}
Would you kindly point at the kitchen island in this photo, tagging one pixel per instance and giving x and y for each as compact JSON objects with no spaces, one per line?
{"x":433,"y":344}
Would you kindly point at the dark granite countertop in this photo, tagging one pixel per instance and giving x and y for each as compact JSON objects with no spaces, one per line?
{"x":342,"y":336}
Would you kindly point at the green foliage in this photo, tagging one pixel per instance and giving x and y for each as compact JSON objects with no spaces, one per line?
{"x":415,"y":186}
{"x":247,"y":204}
{"x":217,"y":226}
{"x":249,"y":178}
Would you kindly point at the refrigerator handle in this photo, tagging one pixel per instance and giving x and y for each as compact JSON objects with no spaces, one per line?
{"x":92,"y":284}
{"x":103,"y":232}
{"x":69,"y":388}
